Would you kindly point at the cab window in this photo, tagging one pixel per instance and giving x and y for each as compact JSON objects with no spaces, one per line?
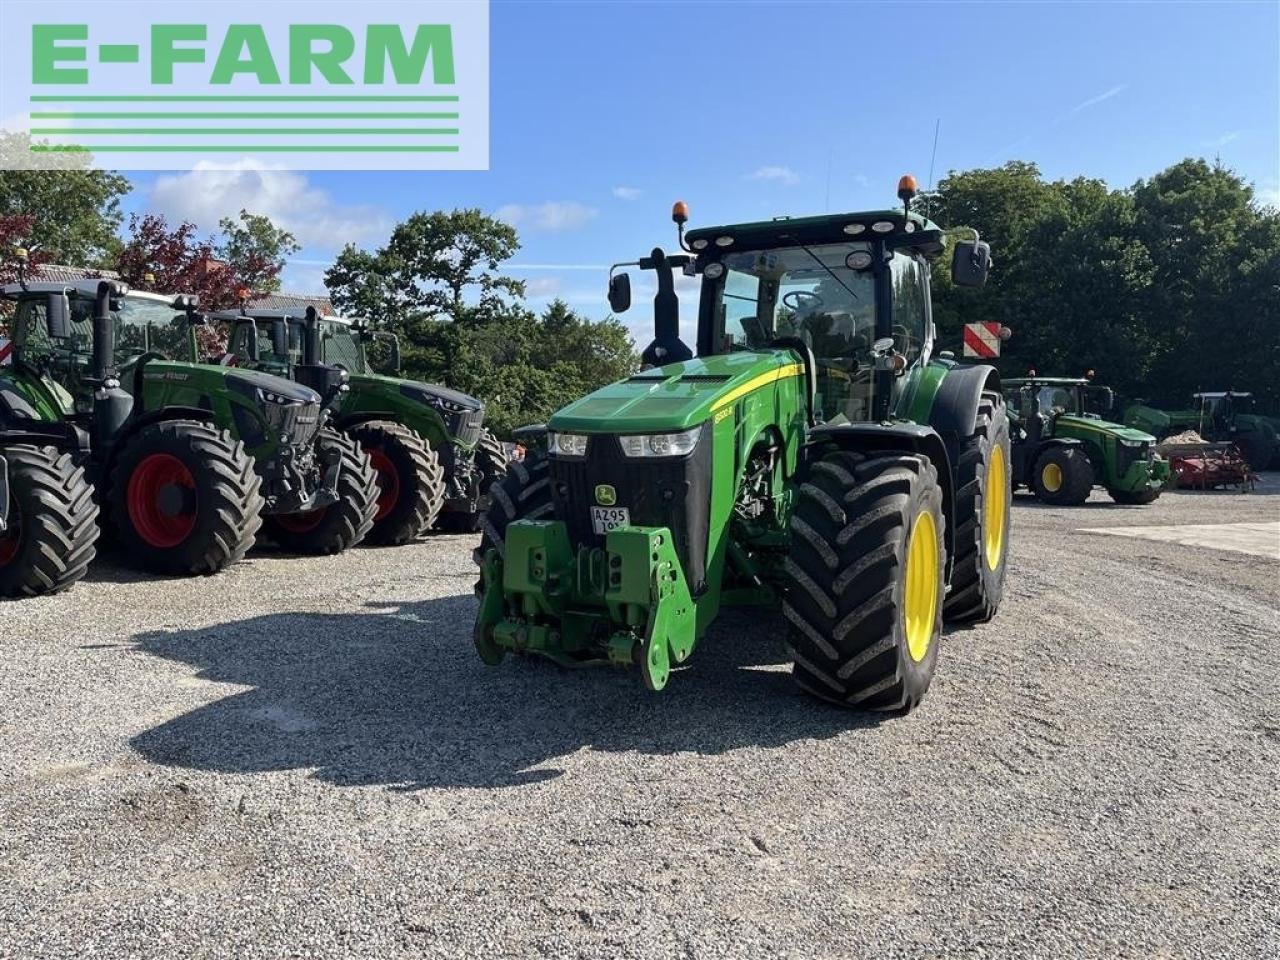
{"x":910,"y":305}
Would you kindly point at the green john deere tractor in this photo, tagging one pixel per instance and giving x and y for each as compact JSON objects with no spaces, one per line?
{"x":1221,"y":417}
{"x":813,"y":455}
{"x":1061,"y":451}
{"x":435,"y":460}
{"x":183,"y":458}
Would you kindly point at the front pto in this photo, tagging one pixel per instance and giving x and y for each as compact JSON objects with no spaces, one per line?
{"x":624,"y":604}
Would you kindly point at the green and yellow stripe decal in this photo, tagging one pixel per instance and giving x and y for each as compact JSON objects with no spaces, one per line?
{"x":755,"y":383}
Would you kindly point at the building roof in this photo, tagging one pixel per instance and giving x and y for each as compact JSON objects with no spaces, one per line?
{"x":294,"y":302}
{"x":62,"y":273}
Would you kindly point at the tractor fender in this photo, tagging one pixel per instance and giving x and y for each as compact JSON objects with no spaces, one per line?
{"x":364,"y":416}
{"x":14,"y":406}
{"x":954,"y":413}
{"x":901,"y":437}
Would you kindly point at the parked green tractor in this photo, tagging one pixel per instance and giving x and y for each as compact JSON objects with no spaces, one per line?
{"x":183,"y":458}
{"x":813,"y":455}
{"x":1223,"y":417}
{"x":1061,"y":451}
{"x":434,"y":458}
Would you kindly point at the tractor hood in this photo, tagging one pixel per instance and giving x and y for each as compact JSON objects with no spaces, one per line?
{"x":243,"y":381}
{"x":431,"y":394}
{"x":675,"y":397}
{"x":1104,"y":426}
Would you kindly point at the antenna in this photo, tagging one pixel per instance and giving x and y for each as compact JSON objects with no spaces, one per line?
{"x":937,"y":124}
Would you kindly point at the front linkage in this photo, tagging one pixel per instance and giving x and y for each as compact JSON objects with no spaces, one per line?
{"x":624,"y":604}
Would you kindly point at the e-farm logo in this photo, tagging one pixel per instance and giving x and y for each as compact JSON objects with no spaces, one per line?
{"x":321,"y":84}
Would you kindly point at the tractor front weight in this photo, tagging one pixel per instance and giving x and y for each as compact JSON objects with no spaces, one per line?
{"x":624,"y":604}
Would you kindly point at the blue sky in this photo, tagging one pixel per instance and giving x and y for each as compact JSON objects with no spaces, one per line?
{"x":602,"y":114}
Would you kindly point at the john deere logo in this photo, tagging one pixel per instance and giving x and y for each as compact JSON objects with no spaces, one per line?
{"x":606,"y":496}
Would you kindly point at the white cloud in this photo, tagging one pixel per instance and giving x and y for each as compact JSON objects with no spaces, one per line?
{"x":542,"y":287}
{"x":1267,"y":194}
{"x":554,"y":215}
{"x":777,"y":173}
{"x":628,"y":193}
{"x":303,"y":276}
{"x":1223,"y":140}
{"x":212,"y":191}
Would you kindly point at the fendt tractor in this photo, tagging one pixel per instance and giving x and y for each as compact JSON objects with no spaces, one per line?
{"x":1061,"y":450}
{"x":435,"y":459}
{"x":182,"y":458}
{"x":1221,"y":417}
{"x":814,"y":454}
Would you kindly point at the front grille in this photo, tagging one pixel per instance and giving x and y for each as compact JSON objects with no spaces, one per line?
{"x":466,"y":426}
{"x":1127,"y":456}
{"x":298,"y":423}
{"x":673,"y":493}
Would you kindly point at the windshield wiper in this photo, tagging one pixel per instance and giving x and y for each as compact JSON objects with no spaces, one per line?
{"x":818,"y":261}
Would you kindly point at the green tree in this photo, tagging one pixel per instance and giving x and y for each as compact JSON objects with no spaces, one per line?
{"x":75,"y":210}
{"x":256,"y":249}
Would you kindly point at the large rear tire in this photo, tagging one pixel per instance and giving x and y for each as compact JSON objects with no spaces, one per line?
{"x":1258,"y":446}
{"x":982,"y":513}
{"x":184,"y":498}
{"x":523,"y":494}
{"x":410,"y":481}
{"x":343,"y":523}
{"x":1062,"y":476}
{"x":865,"y":578}
{"x":491,"y":460}
{"x":52,"y":525}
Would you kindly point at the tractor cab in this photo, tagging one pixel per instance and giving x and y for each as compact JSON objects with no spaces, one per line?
{"x":1220,"y":409}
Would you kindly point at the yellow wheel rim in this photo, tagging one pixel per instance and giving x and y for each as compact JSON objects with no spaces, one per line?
{"x":920,"y":603}
{"x":995,"y":510}
{"x":1051,"y":477}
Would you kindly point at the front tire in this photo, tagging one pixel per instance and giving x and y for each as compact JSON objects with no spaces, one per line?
{"x":523,"y":494}
{"x":1134,"y":497}
{"x":343,"y":523}
{"x":1062,"y":476}
{"x":52,"y":525}
{"x":983,"y":504}
{"x":865,"y":578}
{"x":185,"y":498}
{"x":410,"y":481}
{"x":491,"y":460}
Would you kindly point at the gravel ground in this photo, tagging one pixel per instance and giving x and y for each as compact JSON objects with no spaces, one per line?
{"x":258,"y":766}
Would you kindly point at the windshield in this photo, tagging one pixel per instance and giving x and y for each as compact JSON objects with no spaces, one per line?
{"x":141,"y":326}
{"x":804,"y":292}
{"x":1057,"y":400}
{"x":342,"y":347}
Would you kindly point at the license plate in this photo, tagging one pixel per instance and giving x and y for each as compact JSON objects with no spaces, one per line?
{"x":604,"y":519}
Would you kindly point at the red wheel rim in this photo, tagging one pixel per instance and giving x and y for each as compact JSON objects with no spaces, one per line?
{"x":388,"y":482}
{"x":161,"y":499}
{"x":300,"y":522}
{"x":11,"y":539}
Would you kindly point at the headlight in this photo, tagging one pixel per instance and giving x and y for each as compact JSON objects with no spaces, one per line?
{"x":660,"y":444}
{"x":266,"y":396}
{"x":1130,"y":443}
{"x":567,"y":444}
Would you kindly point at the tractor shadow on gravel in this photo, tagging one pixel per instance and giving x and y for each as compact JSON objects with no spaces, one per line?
{"x":397,"y":697}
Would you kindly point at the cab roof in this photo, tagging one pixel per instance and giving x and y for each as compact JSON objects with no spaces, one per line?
{"x":82,"y":288}
{"x":905,"y":230}
{"x":269,"y":313}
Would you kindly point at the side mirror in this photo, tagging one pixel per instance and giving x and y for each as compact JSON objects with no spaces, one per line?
{"x":970,"y":263}
{"x":620,"y":292}
{"x":279,"y":338}
{"x":58,"y":316}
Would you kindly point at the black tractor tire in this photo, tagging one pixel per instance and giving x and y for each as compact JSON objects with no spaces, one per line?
{"x":410,"y":481}
{"x":184,"y":498}
{"x":491,"y":460}
{"x":983,"y":497}
{"x":343,"y":523}
{"x":1258,"y":447}
{"x":52,"y":522}
{"x":1074,"y":476}
{"x":847,"y":579}
{"x":1134,"y":497}
{"x":523,"y":494}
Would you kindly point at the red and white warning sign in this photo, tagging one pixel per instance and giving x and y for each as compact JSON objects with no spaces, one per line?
{"x":982,"y":340}
{"x":6,"y":352}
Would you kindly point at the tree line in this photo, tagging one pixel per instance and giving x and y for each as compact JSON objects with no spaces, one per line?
{"x":1162,"y":288}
